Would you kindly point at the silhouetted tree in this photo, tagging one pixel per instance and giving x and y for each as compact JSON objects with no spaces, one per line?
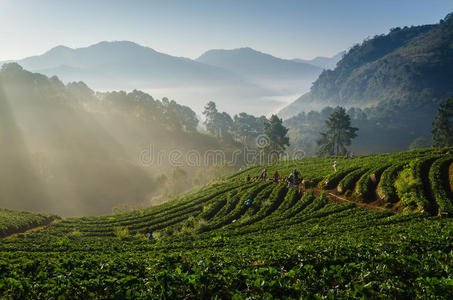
{"x":247,"y":127}
{"x":276,"y":133}
{"x":210,"y":112}
{"x":338,"y":134}
{"x":219,"y":124}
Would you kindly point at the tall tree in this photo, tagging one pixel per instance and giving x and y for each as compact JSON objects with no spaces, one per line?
{"x":225,"y":124}
{"x":443,"y":125}
{"x":248,"y":127}
{"x":338,"y":134}
{"x":276,"y":133}
{"x":219,"y":124}
{"x":210,"y":112}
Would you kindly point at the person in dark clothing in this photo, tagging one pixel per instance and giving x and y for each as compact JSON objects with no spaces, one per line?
{"x":290,"y":180}
{"x":276,"y":176}
{"x":247,"y":178}
{"x":296,"y":176}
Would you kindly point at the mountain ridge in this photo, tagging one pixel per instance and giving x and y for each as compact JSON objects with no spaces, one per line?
{"x":323,"y":61}
{"x":253,"y":63}
{"x":410,"y":64}
{"x":125,"y":65}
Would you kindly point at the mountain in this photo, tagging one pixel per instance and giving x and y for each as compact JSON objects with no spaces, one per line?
{"x":410,"y":65}
{"x":127,"y":65}
{"x":257,"y":65}
{"x":323,"y":62}
{"x":124,"y":65}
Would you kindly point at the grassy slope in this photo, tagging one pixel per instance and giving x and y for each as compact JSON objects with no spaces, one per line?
{"x":18,"y":221}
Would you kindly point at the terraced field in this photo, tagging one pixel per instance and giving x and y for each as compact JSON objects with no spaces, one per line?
{"x":12,"y":222}
{"x":290,"y":242}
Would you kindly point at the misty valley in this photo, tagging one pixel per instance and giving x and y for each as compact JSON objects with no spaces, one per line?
{"x":130,"y":173}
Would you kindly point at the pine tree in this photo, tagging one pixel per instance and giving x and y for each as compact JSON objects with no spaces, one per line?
{"x":210,"y":112}
{"x":338,"y":134}
{"x":276,"y":133}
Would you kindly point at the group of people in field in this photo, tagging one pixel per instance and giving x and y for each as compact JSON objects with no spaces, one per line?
{"x":292,"y":180}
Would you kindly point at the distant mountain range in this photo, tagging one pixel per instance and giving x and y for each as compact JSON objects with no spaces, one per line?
{"x":125,"y":64}
{"x":256,"y":65}
{"x":238,"y":80}
{"x":323,"y":62}
{"x":411,"y":65}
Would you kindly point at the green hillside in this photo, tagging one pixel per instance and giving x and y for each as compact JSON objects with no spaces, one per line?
{"x":12,"y":221}
{"x":411,"y":64}
{"x":337,"y":235}
{"x":392,"y":86}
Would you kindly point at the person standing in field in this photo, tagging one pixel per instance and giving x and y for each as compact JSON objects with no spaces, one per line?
{"x":276,"y":176}
{"x":264,"y":175}
{"x":290,"y":180}
{"x":335,"y":166}
{"x":296,"y":176}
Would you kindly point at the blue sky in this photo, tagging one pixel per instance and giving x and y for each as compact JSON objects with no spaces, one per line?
{"x":288,"y":29}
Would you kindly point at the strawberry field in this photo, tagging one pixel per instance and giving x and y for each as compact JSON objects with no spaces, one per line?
{"x":384,"y":239}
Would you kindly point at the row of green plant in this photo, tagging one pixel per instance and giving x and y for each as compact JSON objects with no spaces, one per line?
{"x":438,"y":176}
{"x":348,"y":253}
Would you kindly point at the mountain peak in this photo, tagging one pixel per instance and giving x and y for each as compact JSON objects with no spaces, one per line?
{"x":59,"y":49}
{"x":230,"y":52}
{"x":116,"y":44}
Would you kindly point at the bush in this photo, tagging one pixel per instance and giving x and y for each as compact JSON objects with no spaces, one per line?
{"x":438,"y":176}
{"x":406,"y":186}
{"x":121,"y":232}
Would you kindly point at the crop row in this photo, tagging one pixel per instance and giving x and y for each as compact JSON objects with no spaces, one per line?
{"x":438,"y":176}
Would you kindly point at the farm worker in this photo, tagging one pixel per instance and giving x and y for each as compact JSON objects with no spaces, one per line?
{"x":291,"y":180}
{"x":248,"y":202}
{"x":335,"y":165}
{"x":373,"y":178}
{"x":264,"y":174}
{"x":276,"y":176}
{"x":352,"y":155}
{"x":150,"y":236}
{"x":346,"y":156}
{"x":247,"y":178}
{"x":296,"y":176}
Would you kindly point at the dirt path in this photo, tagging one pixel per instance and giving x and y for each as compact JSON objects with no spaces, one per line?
{"x":372,"y":205}
{"x":377,"y":204}
{"x":34,"y":229}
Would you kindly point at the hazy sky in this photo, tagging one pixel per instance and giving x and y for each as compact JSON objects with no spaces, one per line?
{"x":287,"y":29}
